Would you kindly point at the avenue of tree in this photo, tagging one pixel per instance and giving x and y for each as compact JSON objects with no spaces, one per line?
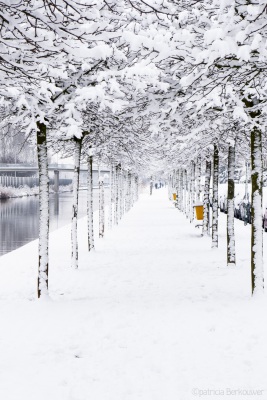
{"x":143,"y":86}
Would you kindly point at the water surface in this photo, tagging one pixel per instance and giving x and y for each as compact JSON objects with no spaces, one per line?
{"x":19,"y":217}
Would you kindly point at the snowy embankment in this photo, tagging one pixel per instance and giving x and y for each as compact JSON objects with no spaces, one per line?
{"x":152,"y":314}
{"x":7,"y":192}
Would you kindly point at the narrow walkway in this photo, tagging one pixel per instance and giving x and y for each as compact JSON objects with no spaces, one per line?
{"x":152,"y":314}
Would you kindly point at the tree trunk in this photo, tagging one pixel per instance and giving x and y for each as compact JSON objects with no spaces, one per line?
{"x":43,"y":247}
{"x":170,"y":186}
{"x":151,"y":185}
{"x":186,"y":203}
{"x":75,"y":184}
{"x":136,"y":188}
{"x":192,"y":190}
{"x":111,"y":195}
{"x":206,"y":200}
{"x":116,"y":212}
{"x":132,"y":190}
{"x":126,"y":190}
{"x":101,"y":207}
{"x":198,"y":176}
{"x":175,"y":188}
{"x":231,"y":207}
{"x":215,"y":197}
{"x":257,"y":274}
{"x":90,"y":204}
{"x":114,"y":194}
{"x":246,"y":182}
{"x":124,"y":185}
{"x":121,"y":192}
{"x":181,"y":187}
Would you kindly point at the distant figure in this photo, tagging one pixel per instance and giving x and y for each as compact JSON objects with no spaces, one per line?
{"x":156,"y":185}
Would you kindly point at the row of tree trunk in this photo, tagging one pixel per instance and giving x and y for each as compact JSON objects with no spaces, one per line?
{"x":186,"y":184}
{"x":123,"y":192}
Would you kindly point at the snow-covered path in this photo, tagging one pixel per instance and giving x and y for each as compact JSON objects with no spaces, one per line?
{"x":153,"y":314}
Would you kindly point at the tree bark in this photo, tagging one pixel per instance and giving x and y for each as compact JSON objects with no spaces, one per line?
{"x":151,"y":185}
{"x":187,"y":193}
{"x":246,"y":182}
{"x":176,"y":187}
{"x":136,"y":195}
{"x":206,"y":200}
{"x":43,"y":247}
{"x":192,"y":190}
{"x":75,"y":184}
{"x":90,"y":208}
{"x":116,"y":212}
{"x":131,"y":189}
{"x":121,"y":193}
{"x":127,"y":193}
{"x":111,"y":195}
{"x":181,"y":187}
{"x":257,"y":274}
{"x":231,"y":207}
{"x":114,"y":194}
{"x":198,"y":179}
{"x":101,"y":208}
{"x":215,"y":196}
{"x":170,"y":186}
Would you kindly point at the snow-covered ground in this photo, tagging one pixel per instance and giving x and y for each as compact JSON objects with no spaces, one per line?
{"x":152,"y":314}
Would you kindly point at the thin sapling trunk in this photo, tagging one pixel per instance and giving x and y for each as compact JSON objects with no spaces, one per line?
{"x":215,"y":196}
{"x":43,"y":246}
{"x":206,"y":200}
{"x":257,"y":273}
{"x":101,"y":207}
{"x":231,"y":207}
{"x":90,"y":205}
{"x":75,"y":184}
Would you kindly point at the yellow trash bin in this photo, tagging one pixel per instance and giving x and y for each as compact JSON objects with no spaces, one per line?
{"x":199,"y":212}
{"x":174,"y":196}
